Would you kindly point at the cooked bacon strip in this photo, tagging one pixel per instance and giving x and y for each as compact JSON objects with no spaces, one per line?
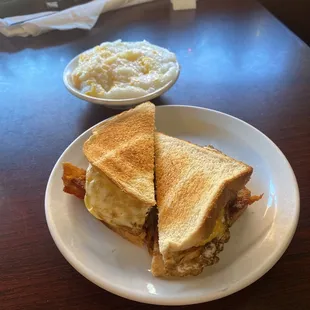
{"x":243,"y":200}
{"x":255,"y":198}
{"x":74,"y":180}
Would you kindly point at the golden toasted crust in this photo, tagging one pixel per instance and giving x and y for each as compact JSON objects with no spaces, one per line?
{"x":123,"y":149}
{"x":192,"y":185}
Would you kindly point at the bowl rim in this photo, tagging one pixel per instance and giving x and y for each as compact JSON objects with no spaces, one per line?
{"x":113,"y":102}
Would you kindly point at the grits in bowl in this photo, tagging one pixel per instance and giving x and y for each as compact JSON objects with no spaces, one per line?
{"x":124,"y":70}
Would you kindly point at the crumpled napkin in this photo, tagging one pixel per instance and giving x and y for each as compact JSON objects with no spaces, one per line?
{"x":82,"y":16}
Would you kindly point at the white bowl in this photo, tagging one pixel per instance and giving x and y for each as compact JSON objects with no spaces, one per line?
{"x":111,"y":103}
{"x":258,"y":239}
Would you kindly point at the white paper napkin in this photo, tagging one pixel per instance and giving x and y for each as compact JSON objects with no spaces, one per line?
{"x":82,"y":16}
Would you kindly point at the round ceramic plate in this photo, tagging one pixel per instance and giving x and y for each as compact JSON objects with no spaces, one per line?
{"x":258,"y":239}
{"x":111,"y":103}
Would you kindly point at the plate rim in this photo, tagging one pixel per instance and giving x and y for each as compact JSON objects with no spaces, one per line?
{"x":155,"y":299}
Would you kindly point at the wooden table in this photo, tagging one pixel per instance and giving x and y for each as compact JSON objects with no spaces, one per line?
{"x":235,"y":57}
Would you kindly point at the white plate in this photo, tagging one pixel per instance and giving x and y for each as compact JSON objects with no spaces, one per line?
{"x":258,"y":239}
{"x":111,"y":103}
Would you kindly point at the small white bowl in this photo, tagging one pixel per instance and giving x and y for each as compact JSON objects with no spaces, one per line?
{"x":111,"y":103}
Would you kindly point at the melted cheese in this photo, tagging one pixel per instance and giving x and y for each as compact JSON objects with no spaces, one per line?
{"x":219,"y":228}
{"x":107,"y":202}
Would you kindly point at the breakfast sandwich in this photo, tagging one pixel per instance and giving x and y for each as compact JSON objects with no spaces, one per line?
{"x":200,"y":193}
{"x":118,"y":185}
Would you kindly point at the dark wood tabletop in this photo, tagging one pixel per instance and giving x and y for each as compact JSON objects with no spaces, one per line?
{"x":235,"y":57}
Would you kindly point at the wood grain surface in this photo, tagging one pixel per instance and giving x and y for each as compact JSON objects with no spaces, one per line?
{"x":235,"y":57}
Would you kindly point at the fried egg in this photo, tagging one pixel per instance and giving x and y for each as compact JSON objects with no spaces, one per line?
{"x":107,"y":202}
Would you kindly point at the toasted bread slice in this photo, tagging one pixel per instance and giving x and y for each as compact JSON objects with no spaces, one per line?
{"x":193,"y":260}
{"x":123,"y":149}
{"x":193,"y":184}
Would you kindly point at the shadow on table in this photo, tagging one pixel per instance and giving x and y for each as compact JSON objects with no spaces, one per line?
{"x":96,"y":113}
{"x":49,"y":39}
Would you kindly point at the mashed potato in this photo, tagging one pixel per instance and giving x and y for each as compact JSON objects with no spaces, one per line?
{"x":123,"y":70}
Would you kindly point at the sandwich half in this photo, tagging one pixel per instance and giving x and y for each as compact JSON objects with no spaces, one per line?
{"x":118,"y":186}
{"x":200,"y":192}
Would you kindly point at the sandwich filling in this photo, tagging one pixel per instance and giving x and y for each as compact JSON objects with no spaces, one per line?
{"x":108,"y":203}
